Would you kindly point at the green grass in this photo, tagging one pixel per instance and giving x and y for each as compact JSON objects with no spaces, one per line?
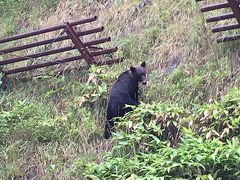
{"x":51,"y":125}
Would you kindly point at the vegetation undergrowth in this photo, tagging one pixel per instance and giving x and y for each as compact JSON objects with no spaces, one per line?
{"x":187,"y":126}
{"x":158,"y":141}
{"x":15,"y":14}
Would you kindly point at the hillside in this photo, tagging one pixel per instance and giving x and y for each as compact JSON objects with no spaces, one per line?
{"x":52,"y":119}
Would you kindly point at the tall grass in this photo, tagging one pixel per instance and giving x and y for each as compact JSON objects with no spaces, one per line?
{"x":51,"y":124}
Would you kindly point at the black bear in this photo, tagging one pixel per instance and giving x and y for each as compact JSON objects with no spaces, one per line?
{"x":124,"y":91}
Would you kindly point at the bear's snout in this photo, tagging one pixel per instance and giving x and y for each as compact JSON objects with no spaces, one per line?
{"x":144,"y":82}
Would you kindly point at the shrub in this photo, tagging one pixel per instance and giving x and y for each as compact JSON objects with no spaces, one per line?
{"x":29,"y":122}
{"x":220,"y":119}
{"x":150,"y":124}
{"x":154,"y":142}
{"x":194,"y":158}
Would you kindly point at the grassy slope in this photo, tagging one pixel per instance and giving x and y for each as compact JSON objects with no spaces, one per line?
{"x":52,"y":126}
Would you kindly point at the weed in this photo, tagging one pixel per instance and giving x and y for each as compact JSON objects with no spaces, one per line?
{"x":146,"y":135}
{"x":51,"y":125}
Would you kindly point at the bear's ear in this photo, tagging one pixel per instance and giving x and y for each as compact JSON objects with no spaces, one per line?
{"x":143,"y":64}
{"x":132,"y":69}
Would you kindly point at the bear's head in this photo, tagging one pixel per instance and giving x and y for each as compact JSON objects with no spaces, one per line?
{"x":139,"y":73}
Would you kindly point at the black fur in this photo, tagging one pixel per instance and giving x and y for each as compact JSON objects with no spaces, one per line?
{"x":124,"y":91}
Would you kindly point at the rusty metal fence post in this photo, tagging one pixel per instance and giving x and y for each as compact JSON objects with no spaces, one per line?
{"x":234,"y":5}
{"x":78,"y":43}
{"x":84,"y":48}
